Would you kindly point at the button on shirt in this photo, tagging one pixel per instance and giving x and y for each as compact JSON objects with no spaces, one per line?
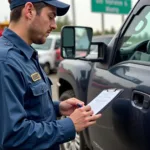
{"x":27,"y":112}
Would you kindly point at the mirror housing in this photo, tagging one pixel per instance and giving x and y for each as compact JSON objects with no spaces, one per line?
{"x":75,"y":41}
{"x":102,"y":49}
{"x":100,"y":54}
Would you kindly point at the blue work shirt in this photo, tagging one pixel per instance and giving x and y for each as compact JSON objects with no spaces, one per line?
{"x":27,"y":112}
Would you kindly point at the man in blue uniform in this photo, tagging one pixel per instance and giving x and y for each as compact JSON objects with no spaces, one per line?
{"x":28,"y":114}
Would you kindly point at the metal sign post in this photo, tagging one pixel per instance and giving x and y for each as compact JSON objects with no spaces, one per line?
{"x":111,"y":6}
{"x":73,"y":12}
{"x":103,"y":24}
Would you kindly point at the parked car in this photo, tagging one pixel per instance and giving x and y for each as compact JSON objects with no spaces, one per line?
{"x":3,"y":25}
{"x":124,"y":63}
{"x":47,"y":52}
{"x":1,"y":32}
{"x":58,"y":57}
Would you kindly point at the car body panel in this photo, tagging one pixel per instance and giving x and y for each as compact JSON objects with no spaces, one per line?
{"x":76,"y":74}
{"x":129,"y":77}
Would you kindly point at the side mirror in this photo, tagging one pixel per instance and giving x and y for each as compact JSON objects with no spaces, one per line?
{"x":75,"y":41}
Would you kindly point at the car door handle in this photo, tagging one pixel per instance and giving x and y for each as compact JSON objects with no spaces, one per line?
{"x":140,"y":100}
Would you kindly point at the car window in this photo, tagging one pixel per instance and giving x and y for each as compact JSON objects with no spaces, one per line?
{"x":136,"y":39}
{"x":57,"y":44}
{"x":45,"y":46}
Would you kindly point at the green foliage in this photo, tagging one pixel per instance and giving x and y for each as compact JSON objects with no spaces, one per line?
{"x":111,"y":31}
{"x":97,"y":33}
{"x":62,"y":21}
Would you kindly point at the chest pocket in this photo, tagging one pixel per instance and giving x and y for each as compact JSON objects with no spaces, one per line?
{"x":40,"y":104}
{"x":39,"y":89}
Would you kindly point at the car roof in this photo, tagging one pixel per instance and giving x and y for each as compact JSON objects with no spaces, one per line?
{"x":54,"y":35}
{"x":102,"y":38}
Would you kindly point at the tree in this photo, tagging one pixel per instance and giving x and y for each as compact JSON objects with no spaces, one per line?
{"x":62,"y":21}
{"x":97,"y":33}
{"x":112,"y":30}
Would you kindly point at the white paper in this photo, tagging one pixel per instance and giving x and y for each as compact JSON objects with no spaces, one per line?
{"x":103,"y":99}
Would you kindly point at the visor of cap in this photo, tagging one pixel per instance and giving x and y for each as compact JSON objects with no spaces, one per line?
{"x":62,"y":8}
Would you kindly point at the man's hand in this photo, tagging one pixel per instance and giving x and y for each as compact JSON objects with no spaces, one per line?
{"x":67,"y":107}
{"x":83,"y":118}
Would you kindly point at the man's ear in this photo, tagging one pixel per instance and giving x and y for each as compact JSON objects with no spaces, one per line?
{"x":29,"y":10}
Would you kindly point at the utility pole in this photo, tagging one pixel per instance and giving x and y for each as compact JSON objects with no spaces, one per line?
{"x":122,"y":18}
{"x":102,"y":23}
{"x":73,"y":12}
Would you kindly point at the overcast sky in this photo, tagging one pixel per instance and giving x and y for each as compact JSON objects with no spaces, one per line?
{"x":84,"y":16}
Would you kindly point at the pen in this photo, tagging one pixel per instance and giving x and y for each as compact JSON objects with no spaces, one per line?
{"x":79,"y":105}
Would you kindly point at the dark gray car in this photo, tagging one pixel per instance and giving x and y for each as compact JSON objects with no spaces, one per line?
{"x":124,"y":63}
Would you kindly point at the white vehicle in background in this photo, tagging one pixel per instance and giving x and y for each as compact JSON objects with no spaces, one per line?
{"x":47,"y":52}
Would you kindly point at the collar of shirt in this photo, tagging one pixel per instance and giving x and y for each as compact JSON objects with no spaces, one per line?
{"x":27,"y":50}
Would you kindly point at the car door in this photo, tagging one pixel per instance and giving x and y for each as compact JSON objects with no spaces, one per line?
{"x":125,"y":122}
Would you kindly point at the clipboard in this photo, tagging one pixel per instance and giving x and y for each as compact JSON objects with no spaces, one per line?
{"x":102,"y":100}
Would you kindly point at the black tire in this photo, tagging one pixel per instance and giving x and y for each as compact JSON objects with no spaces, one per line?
{"x":46,"y":68}
{"x":78,"y":143}
{"x":66,"y":95}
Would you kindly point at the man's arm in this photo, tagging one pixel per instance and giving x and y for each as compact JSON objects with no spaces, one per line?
{"x":15,"y":129}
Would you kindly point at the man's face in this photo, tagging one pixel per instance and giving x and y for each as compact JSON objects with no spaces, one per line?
{"x":41,"y":25}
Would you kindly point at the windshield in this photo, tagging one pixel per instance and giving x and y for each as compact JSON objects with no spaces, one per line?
{"x":45,"y":46}
{"x":135,"y":45}
{"x":138,"y":31}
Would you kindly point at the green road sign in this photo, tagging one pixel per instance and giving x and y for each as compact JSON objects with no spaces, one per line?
{"x":111,"y":6}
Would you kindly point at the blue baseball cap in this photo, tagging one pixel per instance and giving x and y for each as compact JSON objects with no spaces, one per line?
{"x":62,"y":8}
